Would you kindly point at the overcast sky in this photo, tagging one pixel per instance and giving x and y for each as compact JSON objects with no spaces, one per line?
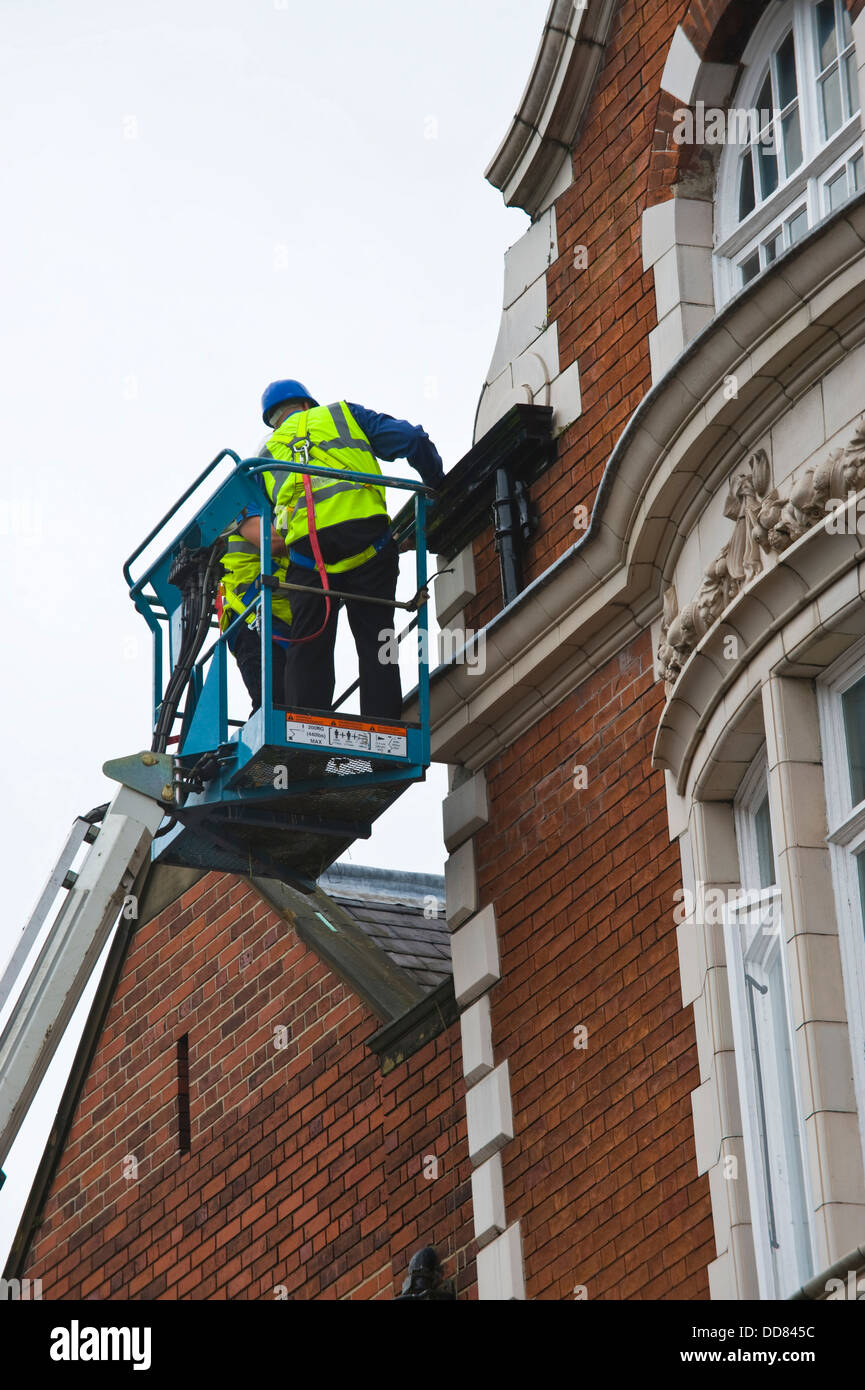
{"x":200,"y":197}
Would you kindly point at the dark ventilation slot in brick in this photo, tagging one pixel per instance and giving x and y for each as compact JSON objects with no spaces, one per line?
{"x":184,"y":1131}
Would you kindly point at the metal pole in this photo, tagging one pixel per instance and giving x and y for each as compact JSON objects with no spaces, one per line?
{"x":265,"y":626}
{"x":504,"y":536}
{"x":422,"y":624}
{"x":410,"y":606}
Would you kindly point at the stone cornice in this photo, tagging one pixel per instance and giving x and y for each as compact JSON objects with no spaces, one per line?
{"x":679,"y":447}
{"x":544,"y":129}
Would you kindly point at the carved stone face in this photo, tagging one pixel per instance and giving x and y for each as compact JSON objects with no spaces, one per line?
{"x":853,"y":473}
{"x":674,"y":633}
{"x":742,"y":487}
{"x":709,"y":605}
{"x":667,"y":662}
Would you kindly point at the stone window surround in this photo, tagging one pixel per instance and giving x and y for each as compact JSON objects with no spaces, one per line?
{"x":844,"y":838}
{"x":773,"y":698}
{"x":678,"y":235}
{"x":765,"y":937}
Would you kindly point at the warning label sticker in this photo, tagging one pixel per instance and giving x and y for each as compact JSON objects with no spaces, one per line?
{"x":299,"y":731}
{"x":336,"y":733}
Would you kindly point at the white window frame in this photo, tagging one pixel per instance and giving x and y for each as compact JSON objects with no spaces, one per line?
{"x":845,"y":162}
{"x":736,"y":240}
{"x":780,"y":1198}
{"x":846,"y":840}
{"x":752,"y":789}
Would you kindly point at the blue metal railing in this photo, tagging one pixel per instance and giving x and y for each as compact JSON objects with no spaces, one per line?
{"x":136,"y":588}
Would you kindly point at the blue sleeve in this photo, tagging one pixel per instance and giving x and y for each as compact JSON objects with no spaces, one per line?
{"x":397,"y":439}
{"x":251,"y":509}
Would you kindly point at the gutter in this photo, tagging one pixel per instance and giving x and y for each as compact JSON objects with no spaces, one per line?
{"x":396,"y":1041}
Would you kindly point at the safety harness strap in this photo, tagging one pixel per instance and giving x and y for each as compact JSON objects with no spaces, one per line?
{"x":340,"y":566}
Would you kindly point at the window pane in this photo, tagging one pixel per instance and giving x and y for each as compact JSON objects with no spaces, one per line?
{"x":853,"y":704}
{"x":826,"y":45}
{"x":773,"y":1146}
{"x":830,"y":89}
{"x":768,"y":171}
{"x":836,"y":191}
{"x":746,"y":186}
{"x":860,"y":868}
{"x":792,"y":142}
{"x":797,"y":226}
{"x":765,"y":850}
{"x":848,"y":27}
{"x":857,"y":172}
{"x":786,"y":71}
{"x":765,"y":105}
{"x":772,"y":250}
{"x":851,"y":83}
{"x":750,"y":268}
{"x":788,"y":1185}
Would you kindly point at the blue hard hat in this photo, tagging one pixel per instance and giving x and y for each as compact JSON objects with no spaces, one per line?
{"x":278,"y":392}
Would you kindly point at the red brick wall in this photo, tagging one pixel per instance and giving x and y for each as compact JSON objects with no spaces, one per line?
{"x":306,"y":1165}
{"x":602,"y":1170}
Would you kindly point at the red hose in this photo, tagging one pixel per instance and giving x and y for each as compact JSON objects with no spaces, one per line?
{"x":319,"y":562}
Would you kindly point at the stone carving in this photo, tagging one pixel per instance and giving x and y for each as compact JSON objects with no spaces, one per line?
{"x":746,"y":496}
{"x":671,"y":633}
{"x":764,"y":523}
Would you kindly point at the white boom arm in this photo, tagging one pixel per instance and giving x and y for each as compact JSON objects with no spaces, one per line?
{"x":73,"y":946}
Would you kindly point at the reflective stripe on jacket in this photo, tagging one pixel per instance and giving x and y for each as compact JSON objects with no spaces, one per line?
{"x":241,"y":567}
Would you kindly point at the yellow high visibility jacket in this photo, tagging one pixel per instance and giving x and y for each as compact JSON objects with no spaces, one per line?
{"x":335,"y":440}
{"x":241,"y":567}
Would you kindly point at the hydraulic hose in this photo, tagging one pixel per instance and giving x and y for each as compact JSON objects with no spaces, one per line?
{"x":198,"y":595}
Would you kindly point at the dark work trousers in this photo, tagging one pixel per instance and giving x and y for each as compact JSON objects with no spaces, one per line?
{"x":245,"y":646}
{"x":309,"y":673}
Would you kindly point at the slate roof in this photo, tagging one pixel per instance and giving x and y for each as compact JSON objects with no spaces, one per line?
{"x":389,"y":907}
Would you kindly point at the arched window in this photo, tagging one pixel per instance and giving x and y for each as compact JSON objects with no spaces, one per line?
{"x":793,"y":152}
